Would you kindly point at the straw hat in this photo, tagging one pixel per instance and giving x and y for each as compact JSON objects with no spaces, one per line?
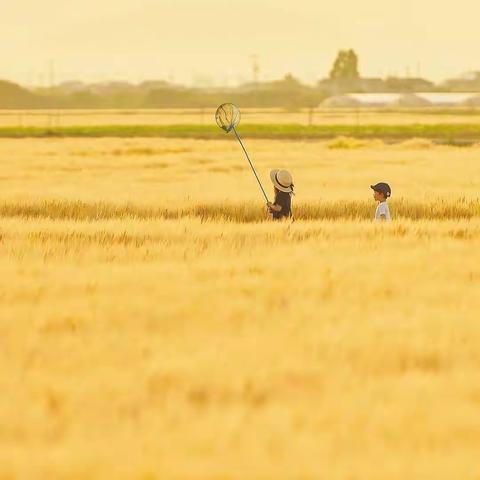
{"x":283,"y":180}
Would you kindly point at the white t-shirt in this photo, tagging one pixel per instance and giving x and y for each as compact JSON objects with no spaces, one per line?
{"x":382,"y":209}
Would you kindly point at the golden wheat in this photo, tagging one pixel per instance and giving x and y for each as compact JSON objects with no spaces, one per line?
{"x":228,"y":211}
{"x":155,"y":325}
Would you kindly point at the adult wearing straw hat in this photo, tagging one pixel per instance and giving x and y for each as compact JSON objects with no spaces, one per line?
{"x":281,"y":207}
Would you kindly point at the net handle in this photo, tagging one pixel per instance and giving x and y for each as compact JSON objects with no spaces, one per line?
{"x":250,"y":162}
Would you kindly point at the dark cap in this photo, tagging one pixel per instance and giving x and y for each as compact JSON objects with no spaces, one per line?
{"x":382,"y":188}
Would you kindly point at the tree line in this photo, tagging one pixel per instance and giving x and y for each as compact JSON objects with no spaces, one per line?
{"x":287,"y":92}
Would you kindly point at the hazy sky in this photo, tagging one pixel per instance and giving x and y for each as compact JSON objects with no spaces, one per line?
{"x":188,"y":40}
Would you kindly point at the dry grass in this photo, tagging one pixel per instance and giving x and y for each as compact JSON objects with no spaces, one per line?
{"x":153,"y":325}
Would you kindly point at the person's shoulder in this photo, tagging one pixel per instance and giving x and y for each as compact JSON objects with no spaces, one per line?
{"x":383,"y":207}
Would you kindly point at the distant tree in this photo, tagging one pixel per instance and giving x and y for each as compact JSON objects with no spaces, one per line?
{"x":288,"y":82}
{"x":395,"y":84}
{"x":345,"y":66}
{"x":14,"y":96}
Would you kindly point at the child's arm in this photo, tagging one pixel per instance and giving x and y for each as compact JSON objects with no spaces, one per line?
{"x":273,"y":207}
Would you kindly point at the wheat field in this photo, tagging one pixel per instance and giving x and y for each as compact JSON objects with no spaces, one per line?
{"x":155,"y":325}
{"x":255,"y":116}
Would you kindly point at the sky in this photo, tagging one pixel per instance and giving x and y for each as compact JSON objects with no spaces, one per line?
{"x":212,"y":41}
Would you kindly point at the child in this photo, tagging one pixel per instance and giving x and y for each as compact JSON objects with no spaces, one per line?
{"x":281,"y":207}
{"x":382,"y":191}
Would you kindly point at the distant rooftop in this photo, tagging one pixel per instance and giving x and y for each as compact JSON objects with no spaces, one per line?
{"x":376,"y":98}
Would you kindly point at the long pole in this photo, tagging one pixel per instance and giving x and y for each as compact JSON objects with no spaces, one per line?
{"x":251,"y":164}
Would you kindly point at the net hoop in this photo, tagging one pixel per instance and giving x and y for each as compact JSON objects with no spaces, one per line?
{"x":227,"y":116}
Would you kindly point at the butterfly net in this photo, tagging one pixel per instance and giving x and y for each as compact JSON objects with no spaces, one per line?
{"x":227,"y":116}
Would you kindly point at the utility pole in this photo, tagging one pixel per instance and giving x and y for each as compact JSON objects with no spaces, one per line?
{"x":51,"y":85}
{"x":51,"y":74}
{"x":255,"y":68}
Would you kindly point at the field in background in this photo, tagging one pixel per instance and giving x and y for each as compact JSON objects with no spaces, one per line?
{"x":205,"y":116}
{"x":173,"y":172}
{"x":456,"y":127}
{"x":153,"y":325}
